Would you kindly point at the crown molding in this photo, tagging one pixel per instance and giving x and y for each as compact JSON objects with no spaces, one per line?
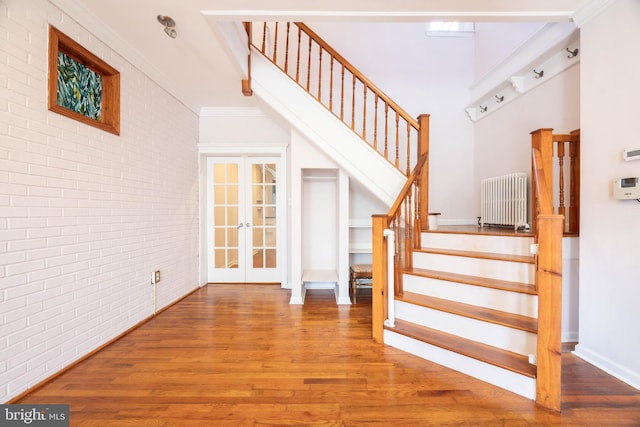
{"x":590,"y":10}
{"x":388,"y":15}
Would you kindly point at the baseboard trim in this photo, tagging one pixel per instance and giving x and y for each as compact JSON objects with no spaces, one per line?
{"x":609,"y":366}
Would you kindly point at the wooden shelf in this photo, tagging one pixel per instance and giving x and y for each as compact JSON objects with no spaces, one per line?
{"x":359,"y":245}
{"x":360,"y":248}
{"x":360,"y":223}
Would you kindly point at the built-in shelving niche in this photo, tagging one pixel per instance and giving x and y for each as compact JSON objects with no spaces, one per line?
{"x":324,"y":231}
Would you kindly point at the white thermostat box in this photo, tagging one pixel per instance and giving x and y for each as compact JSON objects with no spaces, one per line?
{"x":626,"y":188}
{"x":631,"y":154}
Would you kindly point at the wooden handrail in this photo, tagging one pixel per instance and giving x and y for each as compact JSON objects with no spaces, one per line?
{"x":405,"y":219}
{"x":404,"y":193}
{"x":360,"y":104}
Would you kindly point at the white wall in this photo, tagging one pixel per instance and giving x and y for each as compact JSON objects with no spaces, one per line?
{"x":320,"y":219}
{"x":424,"y":76}
{"x":85,"y":215}
{"x":505,"y":134}
{"x":610,"y":229}
{"x":234,"y":127}
{"x":495,"y":41}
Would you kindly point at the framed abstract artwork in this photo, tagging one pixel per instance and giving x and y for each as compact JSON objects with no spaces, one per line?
{"x":81,"y":85}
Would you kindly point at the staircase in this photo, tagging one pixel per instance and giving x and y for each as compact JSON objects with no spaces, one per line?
{"x":478,"y":304}
{"x":327,"y":101}
{"x":469,"y":303}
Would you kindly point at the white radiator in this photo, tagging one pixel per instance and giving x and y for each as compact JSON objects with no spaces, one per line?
{"x":504,"y":201}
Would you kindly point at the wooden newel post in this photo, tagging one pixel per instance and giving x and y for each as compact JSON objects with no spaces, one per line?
{"x":549,"y":284}
{"x":541,"y":139}
{"x":423,"y":147}
{"x":379,"y":274}
{"x":246,"y":83}
{"x":574,"y":180}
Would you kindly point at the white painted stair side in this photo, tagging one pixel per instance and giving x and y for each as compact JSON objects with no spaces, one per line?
{"x":512,"y":245}
{"x":496,"y":299}
{"x":494,"y":269}
{"x":504,"y":337}
{"x":325,"y":130}
{"x":520,"y":384}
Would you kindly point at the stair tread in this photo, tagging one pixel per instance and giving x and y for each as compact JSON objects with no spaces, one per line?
{"x":505,"y":285}
{"x":485,"y":353}
{"x":527,"y":259}
{"x":511,"y":320}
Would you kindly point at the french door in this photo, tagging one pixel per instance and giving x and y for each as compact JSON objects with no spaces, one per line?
{"x":243,"y":219}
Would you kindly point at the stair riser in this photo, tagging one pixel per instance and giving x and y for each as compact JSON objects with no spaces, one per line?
{"x":497,"y":299}
{"x":506,"y":379}
{"x":503,"y":337}
{"x":480,"y":243}
{"x":493,"y":269}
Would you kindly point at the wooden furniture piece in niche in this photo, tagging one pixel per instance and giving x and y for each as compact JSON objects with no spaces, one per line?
{"x":81,"y":85}
{"x":358,"y":273}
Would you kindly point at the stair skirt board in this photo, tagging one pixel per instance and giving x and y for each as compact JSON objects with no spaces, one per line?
{"x":504,"y":337}
{"x":479,"y":243}
{"x":325,"y":130}
{"x":504,"y":378}
{"x":497,"y":299}
{"x":488,"y":268}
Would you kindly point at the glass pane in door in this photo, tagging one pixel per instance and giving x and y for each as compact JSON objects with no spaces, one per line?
{"x":263,"y":215}
{"x":225,"y":215}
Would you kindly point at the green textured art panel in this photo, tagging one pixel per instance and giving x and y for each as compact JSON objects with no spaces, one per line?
{"x":79,"y":87}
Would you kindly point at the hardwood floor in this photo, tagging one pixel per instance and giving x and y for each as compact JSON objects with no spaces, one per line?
{"x":240,"y":355}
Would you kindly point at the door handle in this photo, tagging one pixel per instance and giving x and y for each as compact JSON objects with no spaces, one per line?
{"x":248,"y":224}
{"x":240,"y":225}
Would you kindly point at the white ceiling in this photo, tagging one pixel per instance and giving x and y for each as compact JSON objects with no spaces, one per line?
{"x":195,"y":68}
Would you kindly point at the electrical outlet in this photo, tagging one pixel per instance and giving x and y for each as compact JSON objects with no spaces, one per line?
{"x":155,"y":277}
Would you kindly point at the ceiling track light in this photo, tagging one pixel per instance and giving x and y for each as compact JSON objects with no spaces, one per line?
{"x":168,"y":23}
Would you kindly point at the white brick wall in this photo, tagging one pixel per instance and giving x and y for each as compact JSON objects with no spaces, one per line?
{"x":85,"y":216}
